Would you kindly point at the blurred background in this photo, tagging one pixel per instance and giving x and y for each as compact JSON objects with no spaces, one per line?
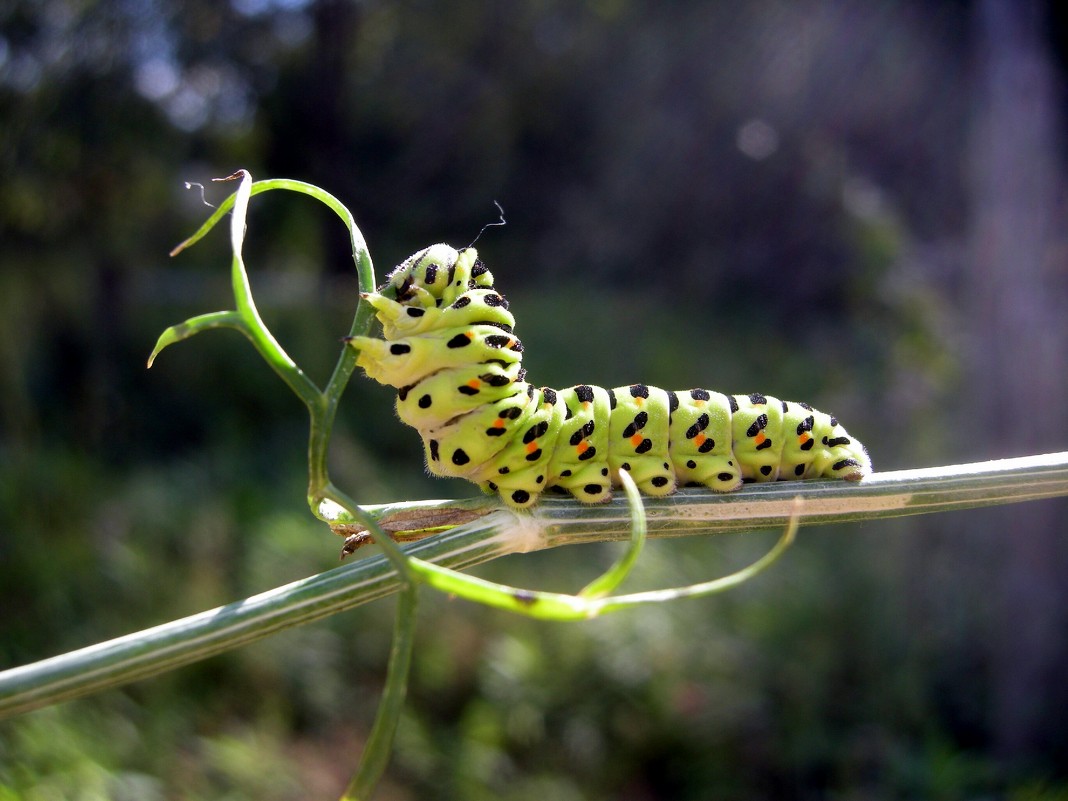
{"x":858,"y":204}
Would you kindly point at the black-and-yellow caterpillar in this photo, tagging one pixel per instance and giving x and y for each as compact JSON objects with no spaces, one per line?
{"x":449,"y":348}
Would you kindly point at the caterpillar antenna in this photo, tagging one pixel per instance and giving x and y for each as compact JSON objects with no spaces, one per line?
{"x":501,"y":221}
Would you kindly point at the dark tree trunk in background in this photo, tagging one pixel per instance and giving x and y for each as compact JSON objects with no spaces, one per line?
{"x":1017,"y":318}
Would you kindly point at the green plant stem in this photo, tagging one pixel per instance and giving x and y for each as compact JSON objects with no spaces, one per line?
{"x":359,"y":245}
{"x":322,"y":406}
{"x":269,"y":348}
{"x":391,"y":549}
{"x":561,"y":607}
{"x":190,"y":639}
{"x":639,"y":527}
{"x":555,"y":522}
{"x":376,"y":752}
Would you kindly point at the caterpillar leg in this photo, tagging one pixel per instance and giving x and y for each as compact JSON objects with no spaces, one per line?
{"x":518,"y":490}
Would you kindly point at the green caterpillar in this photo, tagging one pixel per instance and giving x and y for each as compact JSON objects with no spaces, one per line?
{"x":449,"y":349}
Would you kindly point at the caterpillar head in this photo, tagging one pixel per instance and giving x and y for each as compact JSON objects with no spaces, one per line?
{"x":436,"y":276}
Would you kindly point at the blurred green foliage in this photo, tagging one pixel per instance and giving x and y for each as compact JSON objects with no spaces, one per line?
{"x":759,"y":196}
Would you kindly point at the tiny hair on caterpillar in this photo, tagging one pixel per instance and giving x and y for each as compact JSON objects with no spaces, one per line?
{"x":449,"y":348}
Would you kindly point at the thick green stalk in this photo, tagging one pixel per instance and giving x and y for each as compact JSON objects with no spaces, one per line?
{"x":496,"y":532}
{"x":190,"y":639}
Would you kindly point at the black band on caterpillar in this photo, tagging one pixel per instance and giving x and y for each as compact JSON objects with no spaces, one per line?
{"x":448,"y":346}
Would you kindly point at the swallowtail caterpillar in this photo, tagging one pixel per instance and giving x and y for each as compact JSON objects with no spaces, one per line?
{"x":448,"y":347}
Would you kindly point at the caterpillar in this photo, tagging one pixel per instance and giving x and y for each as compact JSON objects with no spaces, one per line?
{"x":449,"y":348}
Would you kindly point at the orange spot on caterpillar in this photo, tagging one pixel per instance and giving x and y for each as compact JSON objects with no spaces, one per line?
{"x":699,"y":440}
{"x":498,"y":423}
{"x":582,"y":447}
{"x":759,"y":438}
{"x":804,"y":438}
{"x":474,"y":383}
{"x":532,"y":446}
{"x":636,"y":440}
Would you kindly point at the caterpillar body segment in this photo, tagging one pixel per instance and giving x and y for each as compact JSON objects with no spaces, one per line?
{"x":448,"y":347}
{"x":480,"y":306}
{"x":407,"y":361}
{"x":579,"y":459}
{"x":700,"y":453}
{"x":756,"y":430}
{"x":468,"y":387}
{"x":438,"y":276}
{"x":521,"y":472}
{"x":638,"y":437}
{"x":471,"y":445}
